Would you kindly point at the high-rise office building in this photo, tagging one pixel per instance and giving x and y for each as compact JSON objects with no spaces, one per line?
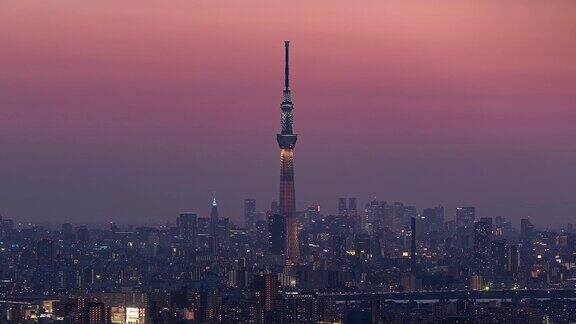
{"x":502,"y":227}
{"x":222,"y":235}
{"x":342,"y":208}
{"x":482,"y":246}
{"x":187,"y":224}
{"x":352,"y":206}
{"x":45,"y":262}
{"x":249,"y":212}
{"x":432,"y":219}
{"x":513,"y":260}
{"x":400,"y":215}
{"x":83,"y":234}
{"x":526,"y":228}
{"x":413,"y":245}
{"x":312,"y":213}
{"x":499,"y":258}
{"x":274,"y":207}
{"x":276,"y":239}
{"x":373,"y":218}
{"x":362,"y":246}
{"x":287,"y":141}
{"x":268,"y":287}
{"x":67,"y":232}
{"x":45,"y":252}
{"x":347,"y":206}
{"x":409,"y":213}
{"x":465,"y":216}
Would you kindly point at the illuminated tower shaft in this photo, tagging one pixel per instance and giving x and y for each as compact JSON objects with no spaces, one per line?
{"x":287,"y":140}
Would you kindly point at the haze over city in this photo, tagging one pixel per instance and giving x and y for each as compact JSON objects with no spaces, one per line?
{"x":134,"y":111}
{"x":303,"y":162}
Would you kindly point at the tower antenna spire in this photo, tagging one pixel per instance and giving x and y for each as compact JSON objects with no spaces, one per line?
{"x":286,"y":66}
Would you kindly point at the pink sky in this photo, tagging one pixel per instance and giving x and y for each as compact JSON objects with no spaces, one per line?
{"x":135,"y":110}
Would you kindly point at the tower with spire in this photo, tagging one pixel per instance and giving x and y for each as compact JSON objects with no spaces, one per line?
{"x":214,"y":210}
{"x":287,"y":141}
{"x":214,"y":240}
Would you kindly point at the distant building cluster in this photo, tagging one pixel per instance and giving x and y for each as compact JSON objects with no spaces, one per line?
{"x":385,"y":263}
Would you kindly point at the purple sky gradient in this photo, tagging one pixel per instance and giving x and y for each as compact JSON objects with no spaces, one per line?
{"x":134,"y":110}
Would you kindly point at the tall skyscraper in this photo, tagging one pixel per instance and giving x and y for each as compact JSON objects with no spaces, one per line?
{"x":342,"y":209}
{"x":249,"y":212}
{"x":268,"y":287}
{"x":45,"y":262}
{"x":276,"y":234}
{"x":398,"y":219}
{"x":347,"y":206}
{"x":274,"y":207}
{"x":83,"y":234}
{"x":526,"y":228}
{"x":214,"y":239}
{"x":214,"y":211}
{"x":482,"y":239}
{"x":362,"y":246}
{"x":413,"y":245}
{"x":372,"y":218}
{"x":287,"y":141}
{"x":499,"y":258}
{"x":312,"y":213}
{"x":352,"y":206}
{"x":432,"y":219}
{"x":513,"y":260}
{"x":409,"y":213}
{"x":67,"y":232}
{"x":187,"y":224}
{"x":465,"y":216}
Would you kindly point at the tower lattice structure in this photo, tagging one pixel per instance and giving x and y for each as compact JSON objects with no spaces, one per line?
{"x":287,"y":141}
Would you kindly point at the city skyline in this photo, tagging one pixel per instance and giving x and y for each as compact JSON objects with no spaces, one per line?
{"x":434,"y":166}
{"x":121,"y":115}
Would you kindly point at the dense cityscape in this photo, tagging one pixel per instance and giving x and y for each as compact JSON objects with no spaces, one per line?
{"x":380,"y":262}
{"x":361,"y":265}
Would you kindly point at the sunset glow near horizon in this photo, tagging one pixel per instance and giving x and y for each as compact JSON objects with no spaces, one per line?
{"x":133,"y":111}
